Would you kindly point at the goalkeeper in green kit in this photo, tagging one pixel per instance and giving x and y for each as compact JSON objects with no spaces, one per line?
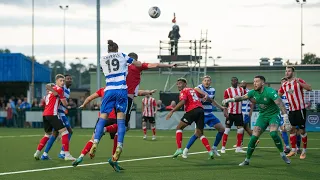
{"x":270,"y":105}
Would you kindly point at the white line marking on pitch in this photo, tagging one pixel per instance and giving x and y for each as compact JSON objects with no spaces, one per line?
{"x":94,"y":164}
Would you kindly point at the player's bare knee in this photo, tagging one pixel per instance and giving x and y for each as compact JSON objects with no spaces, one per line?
{"x":293,"y":130}
{"x":273,"y":127}
{"x":104,"y":115}
{"x":219,"y":127}
{"x":63,"y":130}
{"x":302,"y":131}
{"x":199,"y":133}
{"x":70,"y":130}
{"x":55,"y":133}
{"x":256,"y":131}
{"x":153,"y":125}
{"x":48,"y":134}
{"x":181,"y":126}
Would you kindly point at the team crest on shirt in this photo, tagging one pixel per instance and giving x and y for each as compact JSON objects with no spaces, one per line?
{"x":290,"y":91}
{"x":262,"y":106}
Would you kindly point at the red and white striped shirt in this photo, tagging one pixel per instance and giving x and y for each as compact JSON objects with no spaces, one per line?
{"x":149,"y":105}
{"x":52,"y":102}
{"x":294,"y":94}
{"x":234,"y":107}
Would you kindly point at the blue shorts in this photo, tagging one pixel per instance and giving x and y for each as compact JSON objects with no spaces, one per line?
{"x":211,"y":120}
{"x":65,"y":121}
{"x":115,"y":98}
{"x":246,"y":119}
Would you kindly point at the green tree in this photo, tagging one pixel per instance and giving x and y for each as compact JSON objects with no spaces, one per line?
{"x":2,"y":51}
{"x":287,"y":63}
{"x":310,"y":58}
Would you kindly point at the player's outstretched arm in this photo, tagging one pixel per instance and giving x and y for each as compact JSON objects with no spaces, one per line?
{"x":214,"y":102}
{"x":235,"y":99}
{"x":160,"y":65}
{"x":204,"y":94}
{"x":146,"y":92}
{"x":49,"y":88}
{"x":89,"y":99}
{"x":178,"y":106}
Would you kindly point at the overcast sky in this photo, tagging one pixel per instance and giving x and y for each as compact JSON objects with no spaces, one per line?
{"x":241,"y":31}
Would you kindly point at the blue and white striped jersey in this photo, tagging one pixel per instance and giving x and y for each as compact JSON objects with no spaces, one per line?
{"x":285,"y":102}
{"x":115,"y":68}
{"x":62,"y":108}
{"x":207,"y":106}
{"x":246,"y":104}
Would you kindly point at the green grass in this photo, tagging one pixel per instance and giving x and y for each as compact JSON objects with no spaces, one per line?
{"x":16,"y":154}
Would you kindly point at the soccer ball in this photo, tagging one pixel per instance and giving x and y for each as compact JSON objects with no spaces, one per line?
{"x":154,"y":12}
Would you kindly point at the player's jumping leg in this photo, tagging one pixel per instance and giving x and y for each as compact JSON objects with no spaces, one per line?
{"x":51,"y":140}
{"x":293,"y":141}
{"x":278,"y":142}
{"x":218,"y":126}
{"x":239,"y":140}
{"x":257,"y":131}
{"x":225,"y":138}
{"x":179,"y":130}
{"x":42,"y":143}
{"x":298,"y":141}
{"x":153,"y":128}
{"x":144,"y":128}
{"x":68,"y":126}
{"x":99,"y":130}
{"x":304,"y":140}
{"x":285,"y":139}
{"x":192,"y":139}
{"x":84,"y":152}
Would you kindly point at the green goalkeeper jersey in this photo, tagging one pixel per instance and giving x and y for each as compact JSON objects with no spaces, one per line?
{"x":265,"y":101}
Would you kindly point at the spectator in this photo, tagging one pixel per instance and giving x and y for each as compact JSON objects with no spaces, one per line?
{"x":71,"y":104}
{"x":35,"y":103}
{"x":18,"y":104}
{"x":9,"y":119}
{"x":43,"y":102}
{"x":160,"y":106}
{"x":171,"y":106}
{"x":25,"y":105}
{"x":94,"y":106}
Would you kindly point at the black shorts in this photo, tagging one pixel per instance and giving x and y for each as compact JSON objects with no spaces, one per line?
{"x":195,"y":115}
{"x":150,"y":119}
{"x":52,"y":122}
{"x":236,"y":119}
{"x":129,"y":109}
{"x":298,"y":118}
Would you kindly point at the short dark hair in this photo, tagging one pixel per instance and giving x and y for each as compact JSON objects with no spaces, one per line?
{"x":182,"y":80}
{"x":261,"y":77}
{"x":235,"y":78}
{"x":133,"y":55}
{"x":291,"y":67}
{"x":112,"y":46}
{"x":58,"y":76}
{"x":66,"y":75}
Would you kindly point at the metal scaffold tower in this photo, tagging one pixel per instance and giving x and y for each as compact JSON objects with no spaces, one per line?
{"x":188,"y":56}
